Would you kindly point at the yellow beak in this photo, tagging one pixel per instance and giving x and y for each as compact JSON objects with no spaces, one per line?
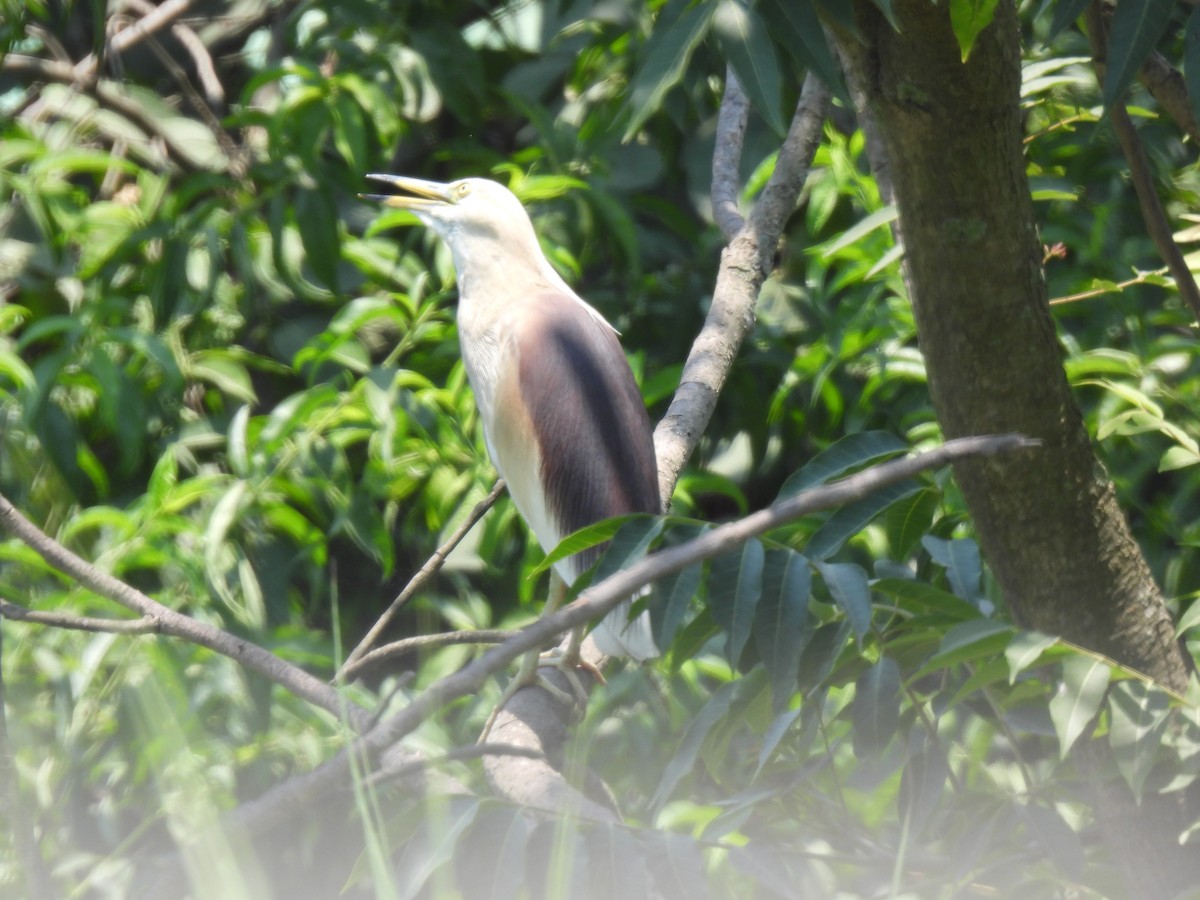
{"x":426,"y":194}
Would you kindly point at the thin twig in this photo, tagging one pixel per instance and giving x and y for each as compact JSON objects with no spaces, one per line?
{"x":18,"y":613}
{"x":423,"y":642}
{"x":595,"y":601}
{"x":160,"y":17}
{"x":1100,"y":292}
{"x":727,"y":156}
{"x":1153,"y":214}
{"x":170,"y":622}
{"x":427,"y":571}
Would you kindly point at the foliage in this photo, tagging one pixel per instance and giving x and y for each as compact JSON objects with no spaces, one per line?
{"x":230,"y":383}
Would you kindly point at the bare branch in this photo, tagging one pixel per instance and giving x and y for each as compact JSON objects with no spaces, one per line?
{"x":160,"y":17}
{"x":350,"y":671}
{"x":1153,"y":213}
{"x":18,"y":613}
{"x":168,"y":621}
{"x":284,"y":801}
{"x":731,"y":315}
{"x":727,"y":156}
{"x":427,"y":571}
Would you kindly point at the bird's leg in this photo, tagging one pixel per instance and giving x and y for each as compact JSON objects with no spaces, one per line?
{"x":566,"y":661}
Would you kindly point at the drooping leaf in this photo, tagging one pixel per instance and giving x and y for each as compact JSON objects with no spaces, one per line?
{"x":1065,"y":12}
{"x":960,"y":558}
{"x":677,"y":865}
{"x":780,"y":625}
{"x":968,"y":18}
{"x":855,"y":233}
{"x":748,"y":48}
{"x":821,"y":654}
{"x":584,"y":539}
{"x":1138,"y":715}
{"x":734,"y":590}
{"x":800,"y":31}
{"x":679,"y":30}
{"x":674,"y":596}
{"x":850,"y":520}
{"x":775,"y":733}
{"x":317,"y":221}
{"x":851,"y":591}
{"x":922,"y":783}
{"x":1078,"y":698}
{"x":876,"y":709}
{"x":852,"y":450}
{"x":1136,"y":28}
{"x":922,"y":596}
{"x":692,"y":742}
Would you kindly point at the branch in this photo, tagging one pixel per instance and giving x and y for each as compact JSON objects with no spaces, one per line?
{"x":214,"y":91}
{"x":1153,"y":214}
{"x":727,"y":156}
{"x":743,"y":268}
{"x":160,"y":17}
{"x":1166,"y":85}
{"x":350,"y":671}
{"x":426,"y":572}
{"x":288,"y":799}
{"x":18,"y":613}
{"x":168,"y":621}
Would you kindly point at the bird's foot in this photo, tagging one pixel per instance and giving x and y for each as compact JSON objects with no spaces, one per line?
{"x":530,"y":674}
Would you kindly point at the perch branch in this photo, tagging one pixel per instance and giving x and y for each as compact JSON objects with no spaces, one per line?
{"x":18,"y":613}
{"x":422,"y":642}
{"x":300,"y":792}
{"x":727,"y":156}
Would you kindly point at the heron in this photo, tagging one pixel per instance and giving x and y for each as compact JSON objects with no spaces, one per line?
{"x":563,"y":420}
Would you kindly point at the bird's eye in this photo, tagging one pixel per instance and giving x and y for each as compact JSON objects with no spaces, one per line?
{"x":462,"y":190}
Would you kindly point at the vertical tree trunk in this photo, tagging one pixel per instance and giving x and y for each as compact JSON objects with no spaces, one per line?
{"x":1048,"y":520}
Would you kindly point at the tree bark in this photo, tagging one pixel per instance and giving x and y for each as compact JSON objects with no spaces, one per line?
{"x":1048,"y":521}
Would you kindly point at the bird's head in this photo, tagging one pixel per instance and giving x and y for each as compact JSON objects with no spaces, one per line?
{"x":470,"y":209}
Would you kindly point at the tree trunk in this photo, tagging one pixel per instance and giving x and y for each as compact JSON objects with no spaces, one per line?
{"x":1048,"y":520}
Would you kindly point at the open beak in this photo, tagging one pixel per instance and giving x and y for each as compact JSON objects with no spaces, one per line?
{"x":424,"y":194}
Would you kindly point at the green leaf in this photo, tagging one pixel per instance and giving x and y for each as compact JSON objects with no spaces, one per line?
{"x":584,"y":539}
{"x":1025,"y":649}
{"x":960,"y":558}
{"x":859,"y":230}
{"x":850,"y":520}
{"x":677,"y":865}
{"x":674,"y":596}
{"x":775,"y":732}
{"x":908,"y":520}
{"x":799,"y":30}
{"x":876,"y":707}
{"x":629,"y":545}
{"x":748,"y":48}
{"x":433,"y":846}
{"x":1058,"y":840}
{"x":676,"y":36}
{"x":317,"y":222}
{"x":821,"y":654}
{"x":922,"y":783}
{"x":925,"y":597}
{"x":1137,"y":718}
{"x":853,"y":450}
{"x":1078,"y":697}
{"x":979,"y":639}
{"x":1136,"y":28}
{"x":692,"y":742}
{"x":1190,"y":618}
{"x":1065,"y":12}
{"x":968,"y":18}
{"x":1177,"y":458}
{"x":734,"y":590}
{"x":780,"y":627}
{"x":850,"y":589}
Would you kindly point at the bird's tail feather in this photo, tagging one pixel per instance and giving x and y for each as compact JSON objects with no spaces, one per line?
{"x":618,"y":635}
